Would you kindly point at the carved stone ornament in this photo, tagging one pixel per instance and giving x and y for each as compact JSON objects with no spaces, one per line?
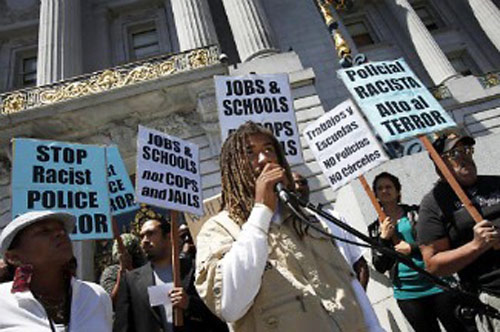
{"x":108,"y":79}
{"x":176,"y":124}
{"x":489,"y":80}
{"x":14,"y":103}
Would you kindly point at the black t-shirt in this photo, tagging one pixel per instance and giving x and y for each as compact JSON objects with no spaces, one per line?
{"x":442,"y":215}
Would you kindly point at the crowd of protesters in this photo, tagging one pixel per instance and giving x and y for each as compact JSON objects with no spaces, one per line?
{"x":255,"y":266}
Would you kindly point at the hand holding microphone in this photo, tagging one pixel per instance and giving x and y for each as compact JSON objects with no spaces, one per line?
{"x":265,"y":193}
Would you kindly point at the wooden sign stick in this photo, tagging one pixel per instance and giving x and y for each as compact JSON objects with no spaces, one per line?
{"x":451,"y":179}
{"x":176,"y":268}
{"x":381,"y":214}
{"x":117,"y":237}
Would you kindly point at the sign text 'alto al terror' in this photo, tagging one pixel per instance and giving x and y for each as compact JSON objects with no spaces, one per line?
{"x":343,"y":145}
{"x":61,"y":176}
{"x":264,"y":99}
{"x":168,"y":172}
{"x":394,"y":100}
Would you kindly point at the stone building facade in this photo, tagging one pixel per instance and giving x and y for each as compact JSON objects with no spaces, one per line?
{"x":90,"y":71}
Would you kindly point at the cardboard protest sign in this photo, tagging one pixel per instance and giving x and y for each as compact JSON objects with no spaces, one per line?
{"x":264,"y":99}
{"x":343,"y":145}
{"x":395,"y":101}
{"x":67,"y":177}
{"x":211,"y":206}
{"x":168,"y":172}
{"x":121,"y":191}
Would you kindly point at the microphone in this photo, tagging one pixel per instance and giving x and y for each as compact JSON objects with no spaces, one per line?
{"x":282,"y":192}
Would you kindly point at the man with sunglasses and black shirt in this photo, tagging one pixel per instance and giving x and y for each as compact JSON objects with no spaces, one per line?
{"x":450,"y":241}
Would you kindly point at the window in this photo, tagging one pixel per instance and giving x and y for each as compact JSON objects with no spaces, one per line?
{"x":28,"y":71}
{"x":463,"y":63}
{"x":144,"y":43}
{"x":24,"y":68}
{"x":360,"y":33}
{"x":428,"y":17}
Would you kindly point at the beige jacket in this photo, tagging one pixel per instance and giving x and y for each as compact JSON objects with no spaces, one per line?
{"x":305,"y":286}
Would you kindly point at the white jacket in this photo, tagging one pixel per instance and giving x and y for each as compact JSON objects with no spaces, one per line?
{"x":91,"y":310}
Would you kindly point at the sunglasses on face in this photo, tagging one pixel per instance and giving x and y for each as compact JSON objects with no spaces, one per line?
{"x":460,"y":152}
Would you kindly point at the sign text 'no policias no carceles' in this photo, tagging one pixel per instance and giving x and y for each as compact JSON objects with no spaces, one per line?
{"x":61,"y":176}
{"x":396,"y":103}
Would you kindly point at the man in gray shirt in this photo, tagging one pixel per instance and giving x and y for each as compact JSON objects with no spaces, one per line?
{"x":135,"y":309}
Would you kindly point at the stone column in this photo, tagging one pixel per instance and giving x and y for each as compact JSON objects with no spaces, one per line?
{"x":194,"y":24}
{"x":207,"y":108}
{"x":59,"y":41}
{"x":251,"y":30}
{"x":488,"y":16}
{"x":434,"y":60}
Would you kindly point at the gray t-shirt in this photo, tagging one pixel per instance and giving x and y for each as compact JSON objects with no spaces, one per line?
{"x":164,"y":276}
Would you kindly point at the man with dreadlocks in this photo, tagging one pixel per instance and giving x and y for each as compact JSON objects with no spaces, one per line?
{"x":257,"y":268}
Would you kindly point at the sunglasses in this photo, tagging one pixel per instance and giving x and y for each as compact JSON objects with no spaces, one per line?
{"x":460,"y":152}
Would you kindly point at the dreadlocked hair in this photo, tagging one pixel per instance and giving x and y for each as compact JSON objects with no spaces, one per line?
{"x":237,"y":176}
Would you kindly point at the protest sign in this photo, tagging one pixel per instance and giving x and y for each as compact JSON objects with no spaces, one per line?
{"x":264,"y":99}
{"x":121,"y":191}
{"x":395,"y":101}
{"x":67,"y":177}
{"x":343,"y":145}
{"x":211,"y":206}
{"x":168,"y":172}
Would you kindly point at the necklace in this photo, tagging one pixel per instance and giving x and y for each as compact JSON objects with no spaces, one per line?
{"x":57,"y":309}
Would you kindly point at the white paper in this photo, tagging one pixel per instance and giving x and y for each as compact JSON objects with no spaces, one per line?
{"x":343,"y":145}
{"x":264,"y":99}
{"x":158,"y":295}
{"x":168,"y":172}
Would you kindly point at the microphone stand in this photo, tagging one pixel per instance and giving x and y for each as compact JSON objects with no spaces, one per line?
{"x":292,"y":201}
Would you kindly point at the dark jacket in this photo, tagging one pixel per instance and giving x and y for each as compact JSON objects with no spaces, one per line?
{"x":383,"y":263}
{"x":134,"y":313}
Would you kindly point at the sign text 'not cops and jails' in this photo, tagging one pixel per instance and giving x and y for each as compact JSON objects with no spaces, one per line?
{"x":395,"y":101}
{"x":168,"y":172}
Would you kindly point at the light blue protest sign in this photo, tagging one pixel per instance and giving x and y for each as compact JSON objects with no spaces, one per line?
{"x":58,"y":176}
{"x":395,"y":101}
{"x":121,"y":191}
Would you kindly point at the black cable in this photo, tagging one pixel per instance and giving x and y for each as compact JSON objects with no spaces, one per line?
{"x":471,"y":298}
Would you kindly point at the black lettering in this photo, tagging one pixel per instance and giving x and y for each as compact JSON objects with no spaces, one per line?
{"x":42,"y":153}
{"x":226,"y":104}
{"x":101,"y":225}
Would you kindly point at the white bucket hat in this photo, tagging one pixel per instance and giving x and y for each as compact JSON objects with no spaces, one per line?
{"x":24,"y":220}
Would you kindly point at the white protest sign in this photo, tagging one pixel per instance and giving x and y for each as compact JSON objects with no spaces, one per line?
{"x":67,"y":177}
{"x":343,"y":145}
{"x":121,"y":191}
{"x":211,"y":206}
{"x":395,"y":101}
{"x":264,"y":99}
{"x":168,"y":172}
